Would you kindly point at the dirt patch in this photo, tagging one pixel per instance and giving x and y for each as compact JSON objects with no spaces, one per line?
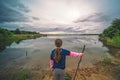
{"x":94,"y":73}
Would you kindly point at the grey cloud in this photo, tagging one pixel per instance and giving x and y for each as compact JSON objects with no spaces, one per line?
{"x":35,"y":18}
{"x":97,"y":17}
{"x":12,"y":11}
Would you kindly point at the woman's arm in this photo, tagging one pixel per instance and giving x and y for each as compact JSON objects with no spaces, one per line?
{"x":75,"y":54}
{"x":51,"y":63}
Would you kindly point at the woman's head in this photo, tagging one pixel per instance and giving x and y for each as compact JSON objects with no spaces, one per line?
{"x":58,"y":42}
{"x":58,"y":50}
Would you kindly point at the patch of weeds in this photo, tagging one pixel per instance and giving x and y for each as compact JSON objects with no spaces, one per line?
{"x":22,"y":75}
{"x":116,"y":73}
{"x":106,"y":61}
{"x":67,"y":76}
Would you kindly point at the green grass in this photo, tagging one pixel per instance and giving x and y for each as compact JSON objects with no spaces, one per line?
{"x":7,"y":37}
{"x":117,"y":73}
{"x":67,"y":77}
{"x":22,"y":75}
{"x":115,"y":41}
{"x":6,"y":40}
{"x":15,"y":74}
{"x":111,"y":66}
{"x":106,"y":61}
{"x":19,"y":37}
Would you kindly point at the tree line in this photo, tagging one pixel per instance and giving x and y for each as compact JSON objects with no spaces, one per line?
{"x":111,"y":35}
{"x":9,"y":36}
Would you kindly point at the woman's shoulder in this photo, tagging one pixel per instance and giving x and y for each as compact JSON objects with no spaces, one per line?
{"x":65,"y":50}
{"x":53,"y":50}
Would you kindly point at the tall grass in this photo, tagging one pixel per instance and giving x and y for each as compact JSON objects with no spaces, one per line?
{"x":115,"y":40}
{"x":15,"y":74}
{"x":111,"y":65}
{"x":67,"y":77}
{"x":22,"y":75}
{"x":117,"y":73}
{"x":106,"y":61}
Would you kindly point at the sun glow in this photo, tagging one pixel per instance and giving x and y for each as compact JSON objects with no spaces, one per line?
{"x":59,"y":12}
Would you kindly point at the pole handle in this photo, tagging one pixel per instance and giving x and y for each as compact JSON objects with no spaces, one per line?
{"x":83,"y":49}
{"x":79,"y":63}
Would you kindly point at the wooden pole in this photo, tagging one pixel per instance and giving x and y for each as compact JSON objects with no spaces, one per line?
{"x":78,"y":64}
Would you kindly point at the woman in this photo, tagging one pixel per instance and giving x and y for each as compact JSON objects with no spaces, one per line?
{"x":58,"y":59}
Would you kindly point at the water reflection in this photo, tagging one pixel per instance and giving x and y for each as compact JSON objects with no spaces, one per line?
{"x":38,"y":51}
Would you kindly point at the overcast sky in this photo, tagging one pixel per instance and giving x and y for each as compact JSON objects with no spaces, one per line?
{"x":63,"y":16}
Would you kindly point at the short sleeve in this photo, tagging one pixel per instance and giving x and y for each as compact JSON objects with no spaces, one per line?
{"x":67,"y":52}
{"x":51,"y":55}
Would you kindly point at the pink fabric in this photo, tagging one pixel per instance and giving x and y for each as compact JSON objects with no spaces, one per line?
{"x":51,"y":63}
{"x":74,"y":54}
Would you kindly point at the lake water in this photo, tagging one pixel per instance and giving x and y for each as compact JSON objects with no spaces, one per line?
{"x":35,"y":52}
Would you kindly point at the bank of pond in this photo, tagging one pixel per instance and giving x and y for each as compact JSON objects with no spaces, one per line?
{"x":9,"y":36}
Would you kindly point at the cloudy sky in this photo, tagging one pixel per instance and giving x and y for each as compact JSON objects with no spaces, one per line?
{"x":61,"y":16}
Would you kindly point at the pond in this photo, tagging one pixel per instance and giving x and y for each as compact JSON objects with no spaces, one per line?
{"x":36,"y":52}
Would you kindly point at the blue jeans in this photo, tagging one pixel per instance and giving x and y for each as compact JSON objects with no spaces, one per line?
{"x":58,"y":74}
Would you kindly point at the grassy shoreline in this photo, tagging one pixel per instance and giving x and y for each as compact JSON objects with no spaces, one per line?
{"x":19,"y":37}
{"x":100,"y":71}
{"x":111,"y":39}
{"x":111,"y":35}
{"x":115,"y":42}
{"x":7,"y":37}
{"x":111,"y":66}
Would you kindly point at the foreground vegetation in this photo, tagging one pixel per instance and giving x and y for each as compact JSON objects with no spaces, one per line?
{"x":111,"y":66}
{"x":103,"y":70}
{"x":111,"y":35}
{"x":7,"y":37}
{"x":111,"y":39}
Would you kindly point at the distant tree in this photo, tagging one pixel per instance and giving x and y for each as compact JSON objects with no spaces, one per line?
{"x":113,"y":30}
{"x":17,"y":31}
{"x":116,"y":24}
{"x":4,"y":38}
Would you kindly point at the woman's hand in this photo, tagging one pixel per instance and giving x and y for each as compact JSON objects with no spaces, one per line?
{"x":82,"y":54}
